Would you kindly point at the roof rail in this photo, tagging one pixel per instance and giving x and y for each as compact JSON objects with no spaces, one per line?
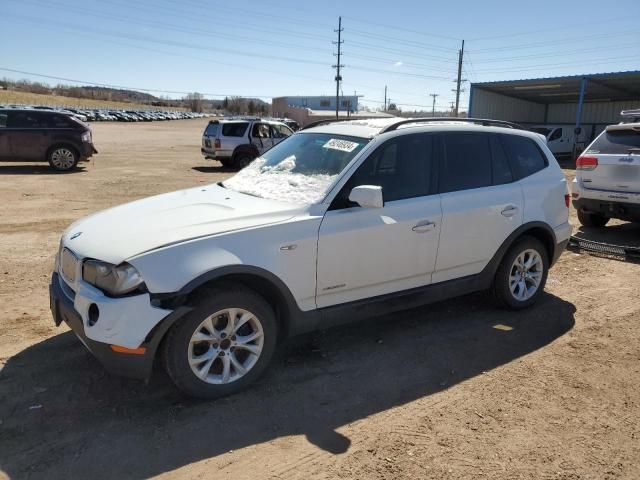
{"x":630,"y":115}
{"x":336,"y":120}
{"x":480,"y":121}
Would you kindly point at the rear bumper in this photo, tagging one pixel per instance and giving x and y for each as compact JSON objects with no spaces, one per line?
{"x":138,"y":365}
{"x":609,"y":208}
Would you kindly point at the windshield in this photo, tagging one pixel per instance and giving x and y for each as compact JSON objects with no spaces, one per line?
{"x":299,"y":169}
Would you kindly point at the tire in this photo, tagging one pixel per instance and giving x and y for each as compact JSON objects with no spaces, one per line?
{"x":205,"y":332}
{"x":242,"y":157}
{"x":63,"y":158}
{"x":592,"y":219}
{"x":512,"y":287}
{"x":226,"y":162}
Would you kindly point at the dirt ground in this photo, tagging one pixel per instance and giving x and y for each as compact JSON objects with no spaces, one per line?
{"x":455,"y":390}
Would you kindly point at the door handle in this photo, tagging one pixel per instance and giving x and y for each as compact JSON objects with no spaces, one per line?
{"x":510,"y":211}
{"x":423,"y":227}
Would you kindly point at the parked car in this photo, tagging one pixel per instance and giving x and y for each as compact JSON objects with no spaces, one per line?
{"x":237,"y":142}
{"x":561,"y":138}
{"x":607,"y":181}
{"x":42,"y":135}
{"x":336,"y":223}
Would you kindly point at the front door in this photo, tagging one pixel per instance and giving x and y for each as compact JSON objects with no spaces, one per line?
{"x":365,"y":252}
{"x":261,"y":137}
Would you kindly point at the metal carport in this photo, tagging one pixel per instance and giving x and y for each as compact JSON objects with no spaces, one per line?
{"x":593,"y":100}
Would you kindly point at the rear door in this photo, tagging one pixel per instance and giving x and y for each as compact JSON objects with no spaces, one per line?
{"x":209,"y":137}
{"x":28,"y":136}
{"x":481,"y":203}
{"x":617,"y":154}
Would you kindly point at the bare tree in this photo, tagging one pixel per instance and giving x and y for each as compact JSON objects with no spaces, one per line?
{"x":194,"y":100}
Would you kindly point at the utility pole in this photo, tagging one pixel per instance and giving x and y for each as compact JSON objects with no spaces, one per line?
{"x":459,"y":81}
{"x":338,"y":66}
{"x":433,"y":109}
{"x":385,"y":99}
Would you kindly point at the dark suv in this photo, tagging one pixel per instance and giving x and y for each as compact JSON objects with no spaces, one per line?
{"x":34,"y":136}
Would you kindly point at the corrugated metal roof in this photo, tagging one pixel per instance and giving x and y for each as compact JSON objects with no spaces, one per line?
{"x":613,"y":86}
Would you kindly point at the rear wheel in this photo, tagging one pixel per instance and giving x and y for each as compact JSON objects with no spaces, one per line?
{"x":522,"y":274}
{"x":242,"y":159}
{"x":223,"y":345}
{"x":63,"y":158}
{"x":592,"y":219}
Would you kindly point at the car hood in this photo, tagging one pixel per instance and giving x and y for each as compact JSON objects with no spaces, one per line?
{"x":122,"y":232}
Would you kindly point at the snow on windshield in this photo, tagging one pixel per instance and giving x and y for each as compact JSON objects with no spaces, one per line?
{"x":279,"y":182}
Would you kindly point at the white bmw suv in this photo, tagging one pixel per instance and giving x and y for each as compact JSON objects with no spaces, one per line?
{"x":338,"y":222}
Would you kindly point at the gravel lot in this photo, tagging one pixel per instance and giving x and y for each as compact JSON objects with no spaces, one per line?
{"x":454,"y":390}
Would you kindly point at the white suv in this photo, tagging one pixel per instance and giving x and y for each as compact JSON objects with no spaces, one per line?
{"x":336,"y":223}
{"x":237,"y":142}
{"x":607,"y":183}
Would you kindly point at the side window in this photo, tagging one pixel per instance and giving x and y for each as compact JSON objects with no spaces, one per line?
{"x":234,"y":129}
{"x":260,"y":130}
{"x":402,"y":166}
{"x":500,"y":169}
{"x":525,"y":156}
{"x":280,"y":131}
{"x":557,"y":134}
{"x":23,"y":120}
{"x":60,"y":121}
{"x":3,"y":120}
{"x":466,"y":162}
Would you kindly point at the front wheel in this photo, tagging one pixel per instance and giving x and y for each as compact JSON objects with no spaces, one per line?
{"x":223,"y":345}
{"x":592,"y":219}
{"x":63,"y":158}
{"x":522,"y":274}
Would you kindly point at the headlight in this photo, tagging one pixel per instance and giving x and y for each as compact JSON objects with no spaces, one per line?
{"x":86,"y":137}
{"x":112,"y":279}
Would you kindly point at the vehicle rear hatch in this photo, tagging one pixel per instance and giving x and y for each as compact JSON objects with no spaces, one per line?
{"x":209,"y":135}
{"x":612,"y":161}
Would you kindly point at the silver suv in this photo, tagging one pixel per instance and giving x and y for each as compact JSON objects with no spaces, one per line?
{"x":236,"y":142}
{"x":607,"y":182}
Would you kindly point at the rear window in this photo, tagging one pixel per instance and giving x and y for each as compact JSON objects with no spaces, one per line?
{"x":234,"y":129}
{"x":211,"y":130}
{"x":616,"y":142}
{"x":525,"y":156}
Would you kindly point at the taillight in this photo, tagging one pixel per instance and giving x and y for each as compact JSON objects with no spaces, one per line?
{"x":567,"y":198}
{"x":217,"y":143}
{"x":586,"y":163}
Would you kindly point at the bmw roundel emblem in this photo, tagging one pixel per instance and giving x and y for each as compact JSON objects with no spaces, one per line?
{"x":75,"y":235}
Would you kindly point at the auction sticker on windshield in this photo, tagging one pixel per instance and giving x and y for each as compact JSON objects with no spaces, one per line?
{"x":342,"y":145}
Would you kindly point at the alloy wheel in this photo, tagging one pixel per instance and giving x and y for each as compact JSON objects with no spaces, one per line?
{"x":225,"y":346}
{"x":525,"y":275}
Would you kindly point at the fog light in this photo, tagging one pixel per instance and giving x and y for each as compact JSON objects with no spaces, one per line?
{"x":94,"y":313}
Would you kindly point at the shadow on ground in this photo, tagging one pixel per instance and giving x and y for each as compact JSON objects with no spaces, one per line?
{"x":39,"y":169}
{"x":623,"y":234}
{"x":215,"y":169}
{"x":63,"y":416}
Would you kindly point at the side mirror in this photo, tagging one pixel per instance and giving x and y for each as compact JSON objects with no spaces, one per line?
{"x":367,"y":196}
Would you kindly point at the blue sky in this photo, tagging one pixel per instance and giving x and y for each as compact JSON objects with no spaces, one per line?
{"x":271,"y":48}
